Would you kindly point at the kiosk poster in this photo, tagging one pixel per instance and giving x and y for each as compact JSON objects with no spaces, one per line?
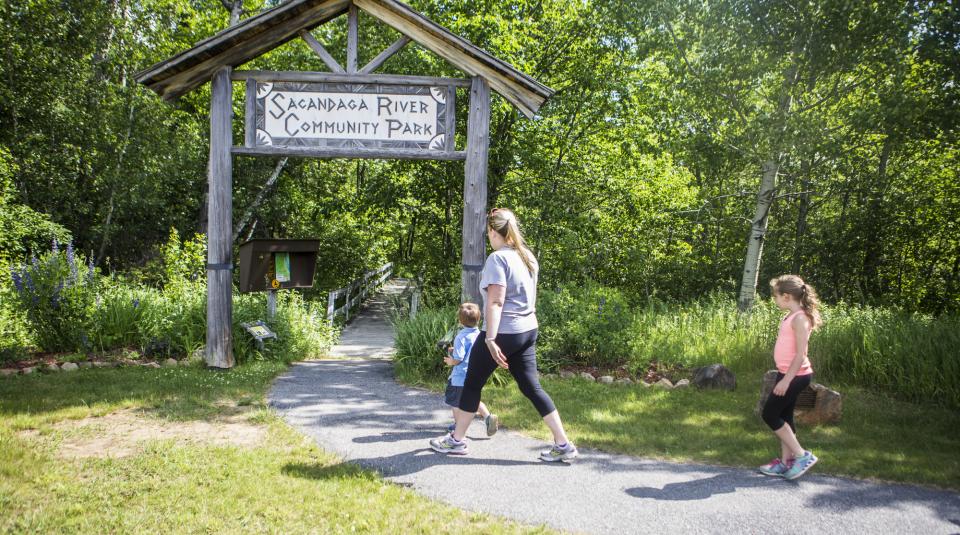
{"x":282,"y":266}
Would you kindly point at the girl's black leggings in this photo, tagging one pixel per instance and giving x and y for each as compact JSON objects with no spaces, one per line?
{"x":779,"y":409}
{"x":521,"y":352}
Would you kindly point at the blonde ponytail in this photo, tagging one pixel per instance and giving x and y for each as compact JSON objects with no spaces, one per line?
{"x":505,"y":223}
{"x":804,"y":293}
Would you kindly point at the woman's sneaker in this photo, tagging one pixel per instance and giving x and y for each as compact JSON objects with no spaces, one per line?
{"x":775,"y":468}
{"x":559,"y":453}
{"x":448,"y":444}
{"x":801,"y":465}
{"x":493,"y":424}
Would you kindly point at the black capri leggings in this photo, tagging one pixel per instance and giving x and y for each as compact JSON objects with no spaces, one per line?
{"x":779,"y":409}
{"x":521,"y":352}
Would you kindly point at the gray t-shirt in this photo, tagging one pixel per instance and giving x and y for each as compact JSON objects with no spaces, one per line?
{"x":506,"y":268}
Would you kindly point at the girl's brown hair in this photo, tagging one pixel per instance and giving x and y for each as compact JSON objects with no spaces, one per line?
{"x":505,"y":223}
{"x":794,"y":286}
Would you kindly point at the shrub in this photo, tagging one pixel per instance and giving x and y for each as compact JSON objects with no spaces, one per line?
{"x":418,"y":358}
{"x":584,"y":325}
{"x":57,"y":297}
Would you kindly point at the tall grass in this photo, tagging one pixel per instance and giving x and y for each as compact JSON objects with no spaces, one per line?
{"x":418,"y":359}
{"x":910,"y":356}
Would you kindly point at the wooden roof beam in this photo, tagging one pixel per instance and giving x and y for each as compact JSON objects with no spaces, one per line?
{"x":376,"y":62}
{"x":318,"y":48}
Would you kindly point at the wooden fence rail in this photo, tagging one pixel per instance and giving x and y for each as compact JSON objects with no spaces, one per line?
{"x":356,"y":292}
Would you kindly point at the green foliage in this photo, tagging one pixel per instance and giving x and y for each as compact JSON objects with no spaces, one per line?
{"x":587,"y":325}
{"x":14,"y":333}
{"x":908,"y":355}
{"x":56,"y":294}
{"x":417,"y":357}
{"x":24,"y":229}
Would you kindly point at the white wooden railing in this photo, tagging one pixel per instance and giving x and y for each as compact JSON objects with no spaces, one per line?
{"x":356,"y":292}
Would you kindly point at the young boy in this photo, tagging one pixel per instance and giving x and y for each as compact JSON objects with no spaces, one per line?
{"x":458,"y":356}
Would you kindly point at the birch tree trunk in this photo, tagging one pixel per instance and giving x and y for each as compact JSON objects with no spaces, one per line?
{"x":769,"y":170}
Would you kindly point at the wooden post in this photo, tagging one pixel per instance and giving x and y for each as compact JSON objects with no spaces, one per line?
{"x":475,"y":189}
{"x":271,"y":304}
{"x":219,"y":349}
{"x":352,"y":38}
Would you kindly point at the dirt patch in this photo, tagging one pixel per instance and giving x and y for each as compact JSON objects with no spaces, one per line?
{"x":124,"y":433}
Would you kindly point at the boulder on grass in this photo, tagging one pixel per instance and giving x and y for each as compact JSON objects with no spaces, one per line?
{"x":567,"y":374}
{"x":69,"y":367}
{"x":51,"y":368}
{"x":587,"y":376}
{"x":682,"y":383}
{"x":9,"y":371}
{"x":624,"y":381}
{"x":715,"y":376}
{"x":664,"y":383}
{"x":606,"y":379}
{"x":816,"y":404}
{"x":170,"y":362}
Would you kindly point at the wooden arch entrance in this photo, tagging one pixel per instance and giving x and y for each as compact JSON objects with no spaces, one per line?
{"x":343,"y":115}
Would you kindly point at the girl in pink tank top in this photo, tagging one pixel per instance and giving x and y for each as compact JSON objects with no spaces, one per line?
{"x":794,"y":373}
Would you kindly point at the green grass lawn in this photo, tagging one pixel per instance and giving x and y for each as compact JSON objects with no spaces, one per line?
{"x":283,"y":484}
{"x":879,"y":438}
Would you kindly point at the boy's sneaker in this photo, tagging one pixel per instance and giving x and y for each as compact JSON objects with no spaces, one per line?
{"x":448,"y":444}
{"x":775,"y":468}
{"x":801,"y":465}
{"x":493,"y":424}
{"x":558,"y":453}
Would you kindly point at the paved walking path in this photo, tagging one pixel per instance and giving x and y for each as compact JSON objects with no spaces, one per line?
{"x":369,"y":334}
{"x":355,"y":409}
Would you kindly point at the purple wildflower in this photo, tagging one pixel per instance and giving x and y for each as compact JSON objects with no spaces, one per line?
{"x":17,"y":280}
{"x":90,"y":269}
{"x":29,"y":281}
{"x":34,"y":262}
{"x":136,"y":303}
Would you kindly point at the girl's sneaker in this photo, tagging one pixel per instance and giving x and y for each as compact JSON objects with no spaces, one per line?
{"x":801,"y":465}
{"x":449,"y":445}
{"x":774,"y":468}
{"x":493,"y":424}
{"x":558,"y":453}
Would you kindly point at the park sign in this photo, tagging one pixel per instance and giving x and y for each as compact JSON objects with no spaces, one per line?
{"x":363,"y":116}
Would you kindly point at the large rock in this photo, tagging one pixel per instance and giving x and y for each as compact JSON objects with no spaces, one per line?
{"x":9,"y":371}
{"x":86,"y":364}
{"x":69,"y":367}
{"x":624,"y":381}
{"x":606,"y":379}
{"x":664,"y":383}
{"x":816,"y":404}
{"x":715,"y":376}
{"x":28,"y":370}
{"x":567,"y":374}
{"x":51,"y":368}
{"x":170,"y":362}
{"x":682,"y":383}
{"x":587,"y":376}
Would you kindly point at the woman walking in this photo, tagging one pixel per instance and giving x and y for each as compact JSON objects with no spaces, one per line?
{"x":508,"y":285}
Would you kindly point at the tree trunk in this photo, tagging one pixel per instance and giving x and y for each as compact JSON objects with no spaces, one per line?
{"x":264,"y":192}
{"x":758,"y":231}
{"x":803,"y":210}
{"x":870,"y":284}
{"x":768,"y":185}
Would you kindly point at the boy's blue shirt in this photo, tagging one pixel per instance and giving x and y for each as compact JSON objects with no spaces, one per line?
{"x":462,"y":344}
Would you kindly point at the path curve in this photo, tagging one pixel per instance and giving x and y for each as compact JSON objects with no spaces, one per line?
{"x":355,"y":409}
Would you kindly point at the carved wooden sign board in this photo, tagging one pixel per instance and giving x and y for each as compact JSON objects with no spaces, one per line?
{"x":371,"y":116}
